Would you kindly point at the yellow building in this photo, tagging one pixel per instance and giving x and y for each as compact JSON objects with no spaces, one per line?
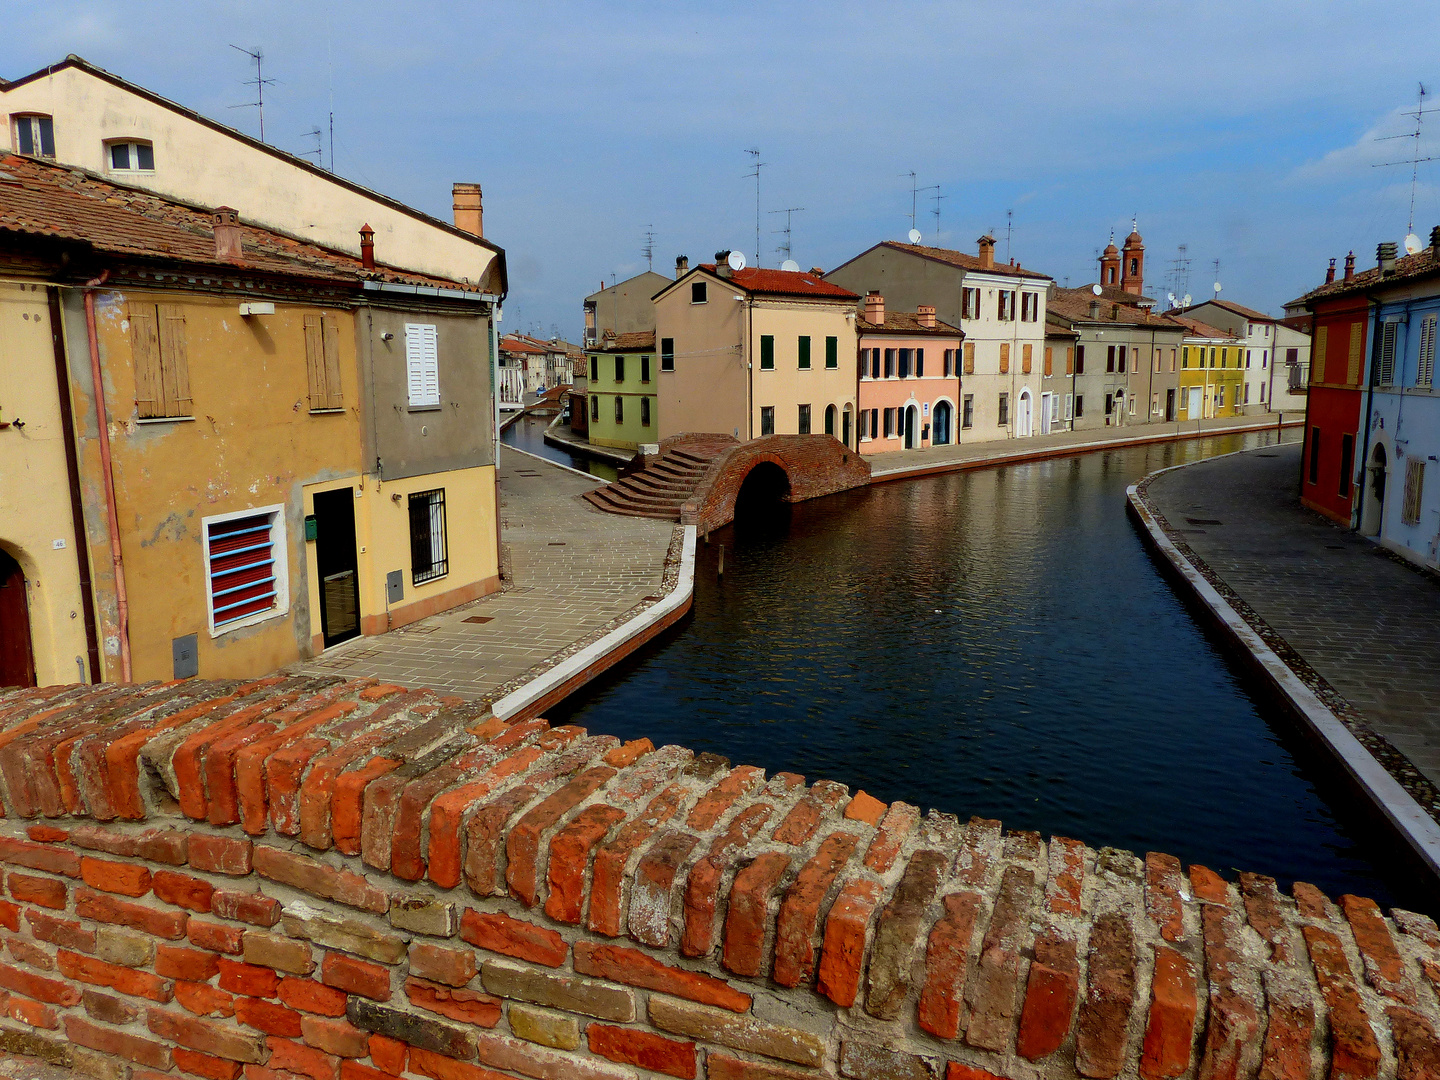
{"x":290,"y":446}
{"x":1212,"y":372}
{"x":621,"y":390}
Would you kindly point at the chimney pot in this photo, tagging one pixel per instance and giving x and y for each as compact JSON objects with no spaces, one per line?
{"x":1330,"y":272}
{"x":815,"y":271}
{"x":1349,"y":266}
{"x":367,"y":247}
{"x":469,"y":208}
{"x":1385,"y":256}
{"x":682,"y":266}
{"x":987,"y":252}
{"x":1095,"y":308}
{"x":874,"y":308}
{"x":925,"y":316}
{"x":1435,"y":241}
{"x":226,"y":224}
{"x":722,"y":263}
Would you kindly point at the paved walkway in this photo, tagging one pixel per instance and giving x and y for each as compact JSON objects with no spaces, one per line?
{"x":899,"y":463}
{"x":1365,"y":622}
{"x":572,"y":571}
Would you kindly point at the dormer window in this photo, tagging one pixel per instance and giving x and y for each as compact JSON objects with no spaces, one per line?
{"x":35,"y":135}
{"x":131,"y":157}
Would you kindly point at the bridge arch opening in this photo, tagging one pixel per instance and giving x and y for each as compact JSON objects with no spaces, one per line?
{"x":763,"y":492}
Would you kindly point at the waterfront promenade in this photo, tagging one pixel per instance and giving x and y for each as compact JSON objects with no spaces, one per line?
{"x":1359,"y":623}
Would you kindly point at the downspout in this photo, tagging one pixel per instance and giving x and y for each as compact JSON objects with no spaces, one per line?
{"x":494,"y":338}
{"x":1356,"y":513}
{"x":72,"y":470}
{"x":747,"y":350}
{"x":102,"y":425}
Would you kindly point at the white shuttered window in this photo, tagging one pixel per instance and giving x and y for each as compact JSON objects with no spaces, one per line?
{"x":422,"y":364}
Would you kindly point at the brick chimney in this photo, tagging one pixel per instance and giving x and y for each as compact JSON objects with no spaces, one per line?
{"x":815,"y":271}
{"x":722,"y":263}
{"x":1349,"y":266}
{"x":1435,"y":242}
{"x":469,"y":210}
{"x":226,"y":223}
{"x":987,"y":252}
{"x":1330,"y":272}
{"x":874,"y":308}
{"x":925,"y":316}
{"x":367,"y":247}
{"x":1385,"y":253}
{"x":682,"y":266}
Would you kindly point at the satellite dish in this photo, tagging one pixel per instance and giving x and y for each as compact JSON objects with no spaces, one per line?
{"x":914,"y":236}
{"x":791,"y":265}
{"x":736,"y":260}
{"x":1217,"y":288}
{"x":1412,"y":244}
{"x":1170,"y":298}
{"x":1096,"y":289}
{"x":1185,"y":300}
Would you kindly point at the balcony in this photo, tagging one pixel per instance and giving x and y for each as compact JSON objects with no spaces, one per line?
{"x":1299,"y":376}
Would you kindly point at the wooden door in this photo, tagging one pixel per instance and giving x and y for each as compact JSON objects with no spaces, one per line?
{"x":17,"y":660}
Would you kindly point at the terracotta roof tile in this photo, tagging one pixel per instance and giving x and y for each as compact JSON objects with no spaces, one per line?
{"x":1238,"y":309}
{"x":907,"y":322}
{"x":1421,"y":264}
{"x":1074,"y":304}
{"x":783,"y":283}
{"x":1196,"y":328}
{"x":964,"y":261}
{"x":641,"y":339}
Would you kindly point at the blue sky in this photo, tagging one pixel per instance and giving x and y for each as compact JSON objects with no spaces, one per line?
{"x":1246,"y":131}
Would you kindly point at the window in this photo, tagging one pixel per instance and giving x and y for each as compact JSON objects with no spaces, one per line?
{"x":35,"y":135}
{"x":1314,"y":455}
{"x":1220,"y":396}
{"x":245,"y":567}
{"x":1247,"y":393}
{"x":1155,"y":404}
{"x":1026,"y":354}
{"x":1292,"y":357}
{"x":1121,"y":357}
{"x":1109,"y":404}
{"x":1005,"y":305}
{"x":1049,"y":361}
{"x":620,"y":369}
{"x":767,"y":419}
{"x":1004,"y":409}
{"x":889,"y":363}
{"x":874,"y":423}
{"x":969,"y":303}
{"x":904,"y":362}
{"x":1185,"y":357}
{"x":830,"y":420}
{"x":804,"y":420}
{"x":804,"y":353}
{"x":832,"y":352}
{"x":322,"y":362}
{"x":1357,"y":353}
{"x":428,"y":558}
{"x":1069,"y":406}
{"x":422,"y":365}
{"x":594,"y":369}
{"x":594,"y":406}
{"x":875,"y":363}
{"x":1029,"y":307}
{"x":949,"y":365}
{"x":1262,"y":393}
{"x":1079,"y":406}
{"x":967,"y":411}
{"x":1005,"y":358}
{"x":697,"y":292}
{"x":767,"y":352}
{"x":1110,"y":358}
{"x":1414,"y":489}
{"x":667,"y":354}
{"x":1385,"y":375}
{"x":644,"y":412}
{"x":1132,"y":401}
{"x":1079,"y":359}
{"x":619,"y":409}
{"x":919,"y":363}
{"x":132,"y":157}
{"x":969,"y":358}
{"x":1225,"y":358}
{"x":644,"y":369}
{"x":1070,"y":360}
{"x":162,"y":366}
{"x":889,"y":423}
{"x":1172,"y":359}
{"x":1347,"y":463}
{"x":1249,"y":357}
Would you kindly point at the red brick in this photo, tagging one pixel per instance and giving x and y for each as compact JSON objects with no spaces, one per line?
{"x":28,"y":889}
{"x":348,"y":802}
{"x":744,"y":950}
{"x":633,"y":1046}
{"x":992,"y":988}
{"x":304,"y":873}
{"x":307,"y":995}
{"x":1171,"y":1024}
{"x":214,"y":936}
{"x":522,"y":845}
{"x":268,"y":1017}
{"x":1050,"y":995}
{"x":797,"y":924}
{"x":391,"y":833}
{"x":168,"y":846}
{"x":570,"y":850}
{"x":192,"y":965}
{"x":353,"y":1070}
{"x":337,"y":1037}
{"x":255,"y":908}
{"x":607,"y":875}
{"x":27,"y":952}
{"x":512,"y":937}
{"x":248,"y":979}
{"x":1384,"y":968}
{"x":182,"y":890}
{"x":1066,"y":881}
{"x":634,"y":968}
{"x":897,"y":824}
{"x":1100,"y":1031}
{"x":388,"y":1054}
{"x":838,"y":976}
{"x":32,"y":1013}
{"x":629,"y":753}
{"x":188,"y":760}
{"x":38,"y":987}
{"x":126,"y":980}
{"x":485,"y":835}
{"x":1208,"y":886}
{"x":355,"y":976}
{"x":447,"y":812}
{"x":702,"y":885}
{"x":720,"y":1066}
{"x":211,"y":1068}
{"x":947,"y":954}
{"x":453,"y":967}
{"x":1355,"y":1054}
{"x":127,"y":879}
{"x":804,"y":819}
{"x":109,"y":1041}
{"x":1162,"y":894}
{"x":251,"y":762}
{"x":47,"y":834}
{"x":956,"y":1071}
{"x":103,"y":908}
{"x":739,"y":782}
{"x":319,"y":785}
{"x":9,"y":915}
{"x":67,"y":932}
{"x":1310,"y":900}
{"x":207,"y":1036}
{"x":39,"y":857}
{"x":284,"y":775}
{"x":305,"y":1060}
{"x":204,"y":1000}
{"x":469,"y":1006}
{"x":438,"y":1067}
{"x":220,"y":854}
{"x":107,"y":1009}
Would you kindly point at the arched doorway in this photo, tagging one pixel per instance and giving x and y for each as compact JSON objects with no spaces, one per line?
{"x":940,"y":424}
{"x":829,"y":419}
{"x":912,"y":427}
{"x":1024,"y":418}
{"x":764,"y":490}
{"x":1372,"y":508}
{"x":845,"y":426}
{"x":17,"y":658}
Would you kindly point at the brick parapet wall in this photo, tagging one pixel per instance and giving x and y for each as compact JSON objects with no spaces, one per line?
{"x":815,"y":465}
{"x":347,"y":881}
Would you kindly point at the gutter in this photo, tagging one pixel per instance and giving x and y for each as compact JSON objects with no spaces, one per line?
{"x":371,"y":285}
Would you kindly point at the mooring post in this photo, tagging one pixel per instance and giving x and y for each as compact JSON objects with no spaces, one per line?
{"x":720,"y":571}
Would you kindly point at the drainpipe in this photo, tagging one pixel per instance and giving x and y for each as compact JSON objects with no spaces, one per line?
{"x":102,"y":426}
{"x":495,"y":424}
{"x":1357,"y":514}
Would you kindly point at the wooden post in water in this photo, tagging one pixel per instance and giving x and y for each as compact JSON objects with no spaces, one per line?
{"x":720,"y":572}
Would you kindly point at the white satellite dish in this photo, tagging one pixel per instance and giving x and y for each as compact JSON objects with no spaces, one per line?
{"x":1217,"y":288}
{"x":914,"y":236}
{"x":1096,"y":289}
{"x":1170,"y":298}
{"x":736,"y":260}
{"x":1412,"y":244}
{"x":791,"y":265}
{"x":1185,"y":300}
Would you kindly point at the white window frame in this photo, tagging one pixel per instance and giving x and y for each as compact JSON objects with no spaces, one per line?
{"x":133,"y":144}
{"x":37,"y":142}
{"x":280,"y":548}
{"x":422,"y":393}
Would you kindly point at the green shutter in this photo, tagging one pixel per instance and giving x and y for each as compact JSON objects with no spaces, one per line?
{"x":804,"y":352}
{"x":832,"y":352}
{"x":767,"y":352}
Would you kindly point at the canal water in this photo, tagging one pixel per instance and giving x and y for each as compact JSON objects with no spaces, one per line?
{"x":995,"y":642}
{"x":528,"y":433}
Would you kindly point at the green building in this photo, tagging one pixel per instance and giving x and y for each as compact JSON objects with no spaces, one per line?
{"x":621,"y":391}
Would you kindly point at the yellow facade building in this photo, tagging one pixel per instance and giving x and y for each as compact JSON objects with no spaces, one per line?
{"x":1212,"y":372}
{"x":621,"y":390}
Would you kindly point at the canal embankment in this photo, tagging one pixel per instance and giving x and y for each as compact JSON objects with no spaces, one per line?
{"x":1340,"y":632}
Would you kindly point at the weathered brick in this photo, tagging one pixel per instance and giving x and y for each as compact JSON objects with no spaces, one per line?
{"x":182,"y":890}
{"x":310,"y":996}
{"x":1171,"y":1023}
{"x":65,"y":932}
{"x":947,"y":953}
{"x":523,"y":940}
{"x":39,"y":857}
{"x":328,"y":883}
{"x":897,"y":824}
{"x":268,"y":1016}
{"x":805,"y":816}
{"x":32,"y":1012}
{"x":747,"y":914}
{"x":720,"y":1066}
{"x":1384,"y":968}
{"x":47,"y":834}
{"x":9,"y":915}
{"x":570,"y":850}
{"x":1262,"y":909}
{"x":485,"y":836}
{"x":104,"y":908}
{"x":522,"y":844}
{"x":867,"y":1061}
{"x":630,"y":966}
{"x":289,"y":1059}
{"x":510,"y":980}
{"x":388,"y":1053}
{"x":701,"y":897}
{"x":897,"y":933}
{"x":29,"y":889}
{"x":111,"y":1010}
{"x":634,"y":1046}
{"x":838,"y":976}
{"x":1065,"y":882}
{"x":503,"y":1052}
{"x":737,"y":1032}
{"x":424,"y":915}
{"x":127,"y":879}
{"x":255,"y":908}
{"x":608,"y":874}
{"x":1354,"y":1051}
{"x":1051,"y":991}
{"x":38,"y":987}
{"x":207,"y":1036}
{"x":736,"y":784}
{"x":1100,"y":1031}
{"x":335,"y":932}
{"x":453,"y":967}
{"x":796,"y":925}
{"x":204,"y":1000}
{"x":27,"y":952}
{"x":991,"y":992}
{"x":865,"y":807}
{"x":214,"y":936}
{"x":1162,"y":894}
{"x":1310,"y":901}
{"x":1232,"y":1027}
{"x":278,"y":952}
{"x":192,"y":965}
{"x":33,"y":1044}
{"x":338,"y":1037}
{"x":418,"y":1031}
{"x":108,"y":1040}
{"x":469,"y":1006}
{"x":126,"y":980}
{"x":537,"y":1025}
{"x":198,"y":1064}
{"x":355,"y":976}
{"x":248,"y":979}
{"x":125,"y":947}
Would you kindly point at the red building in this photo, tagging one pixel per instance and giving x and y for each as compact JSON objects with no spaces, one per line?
{"x":1332,"y":414}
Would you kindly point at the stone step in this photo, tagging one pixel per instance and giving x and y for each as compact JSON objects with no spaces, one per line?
{"x":597,"y":498}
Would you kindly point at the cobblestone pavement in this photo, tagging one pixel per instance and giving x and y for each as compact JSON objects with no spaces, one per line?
{"x":571,"y":570}
{"x":996,"y":451}
{"x":1363,"y":620}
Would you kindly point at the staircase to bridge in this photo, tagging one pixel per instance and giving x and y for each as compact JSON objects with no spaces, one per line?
{"x":662,"y":487}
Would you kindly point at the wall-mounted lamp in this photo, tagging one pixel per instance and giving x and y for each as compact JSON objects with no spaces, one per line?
{"x":257,"y":307}
{"x":387,"y":336}
{"x":395,"y":498}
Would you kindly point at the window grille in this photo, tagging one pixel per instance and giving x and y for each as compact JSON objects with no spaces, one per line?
{"x":1004,"y":409}
{"x":767,"y":420}
{"x":428,"y":553}
{"x":804,"y":419}
{"x":240,"y":554}
{"x":967,"y":411}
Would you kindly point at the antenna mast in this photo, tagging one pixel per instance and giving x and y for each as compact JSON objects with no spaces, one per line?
{"x":319,"y":151}
{"x":1009,"y":228}
{"x":649,"y":249}
{"x":1414,"y":161}
{"x":784,"y":246}
{"x":757,"y":164}
{"x":259,"y":82}
{"x":937,"y":197}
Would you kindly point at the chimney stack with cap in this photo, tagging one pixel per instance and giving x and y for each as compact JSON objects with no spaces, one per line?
{"x":1385,"y":252}
{"x":1330,"y":273}
{"x":874,"y":308}
{"x":987,"y":252}
{"x":226,"y":223}
{"x":925,"y":316}
{"x":1435,"y":242}
{"x":1349,"y":266}
{"x":682,"y":266}
{"x":722,"y":263}
{"x":367,"y":247}
{"x":469,"y":209}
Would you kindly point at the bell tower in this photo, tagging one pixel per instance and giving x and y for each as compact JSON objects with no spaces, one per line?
{"x":1110,"y":265}
{"x":1132,"y":263}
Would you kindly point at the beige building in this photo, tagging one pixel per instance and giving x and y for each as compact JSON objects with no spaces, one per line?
{"x":1268,"y":361}
{"x":624,"y":308}
{"x":755,"y":352}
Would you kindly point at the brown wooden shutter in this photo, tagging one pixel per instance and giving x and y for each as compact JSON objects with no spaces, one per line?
{"x":969,"y":358}
{"x":145,"y":346}
{"x":1317,"y":359}
{"x":331,"y":329}
{"x":315,"y":363}
{"x":1026,"y":353}
{"x":1357,"y":351}
{"x":1049,"y":360}
{"x":174,"y":362}
{"x":1005,"y":359}
{"x":1069,"y":359}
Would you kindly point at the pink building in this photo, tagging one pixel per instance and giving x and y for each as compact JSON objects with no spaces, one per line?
{"x":909,"y":378}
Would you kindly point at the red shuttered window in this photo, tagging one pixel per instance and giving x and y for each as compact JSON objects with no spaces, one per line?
{"x":244,"y":568}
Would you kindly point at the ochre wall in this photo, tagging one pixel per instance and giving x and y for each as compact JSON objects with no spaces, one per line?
{"x":707,"y":390}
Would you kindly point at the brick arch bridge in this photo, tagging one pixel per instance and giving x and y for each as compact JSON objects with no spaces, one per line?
{"x":814,"y":465}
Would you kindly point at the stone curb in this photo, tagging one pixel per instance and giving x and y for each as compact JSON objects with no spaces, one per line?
{"x":548,"y":461}
{"x":1418,"y":829}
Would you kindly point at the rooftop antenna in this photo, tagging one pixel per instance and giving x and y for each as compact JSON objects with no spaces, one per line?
{"x":784,"y":248}
{"x":319,"y":151}
{"x":1217,"y":278}
{"x":1413,"y":161}
{"x":1180,"y":271}
{"x":259,"y":82}
{"x":1009,"y":228}
{"x":937,"y":197}
{"x":757,"y":165}
{"x":649,"y":249}
{"x":914,"y":192}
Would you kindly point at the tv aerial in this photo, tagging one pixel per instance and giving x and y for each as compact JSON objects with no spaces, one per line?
{"x":791,"y":266}
{"x":914,"y":236}
{"x":735,"y":260}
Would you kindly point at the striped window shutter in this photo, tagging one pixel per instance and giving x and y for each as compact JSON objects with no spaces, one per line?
{"x":1005,"y":358}
{"x":422,"y":364}
{"x":1317,"y":354}
{"x":1027,"y":353}
{"x":315,"y":363}
{"x":174,"y":362}
{"x":969,"y":358}
{"x":1425,"y":369}
{"x":1357,"y":353}
{"x":331,"y":333}
{"x":1387,"y":353}
{"x":145,"y":347}
{"x":241,"y":568}
{"x":1049,"y":360}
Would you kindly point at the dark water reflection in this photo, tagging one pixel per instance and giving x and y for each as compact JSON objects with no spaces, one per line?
{"x":996,"y":643}
{"x":528,"y":433}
